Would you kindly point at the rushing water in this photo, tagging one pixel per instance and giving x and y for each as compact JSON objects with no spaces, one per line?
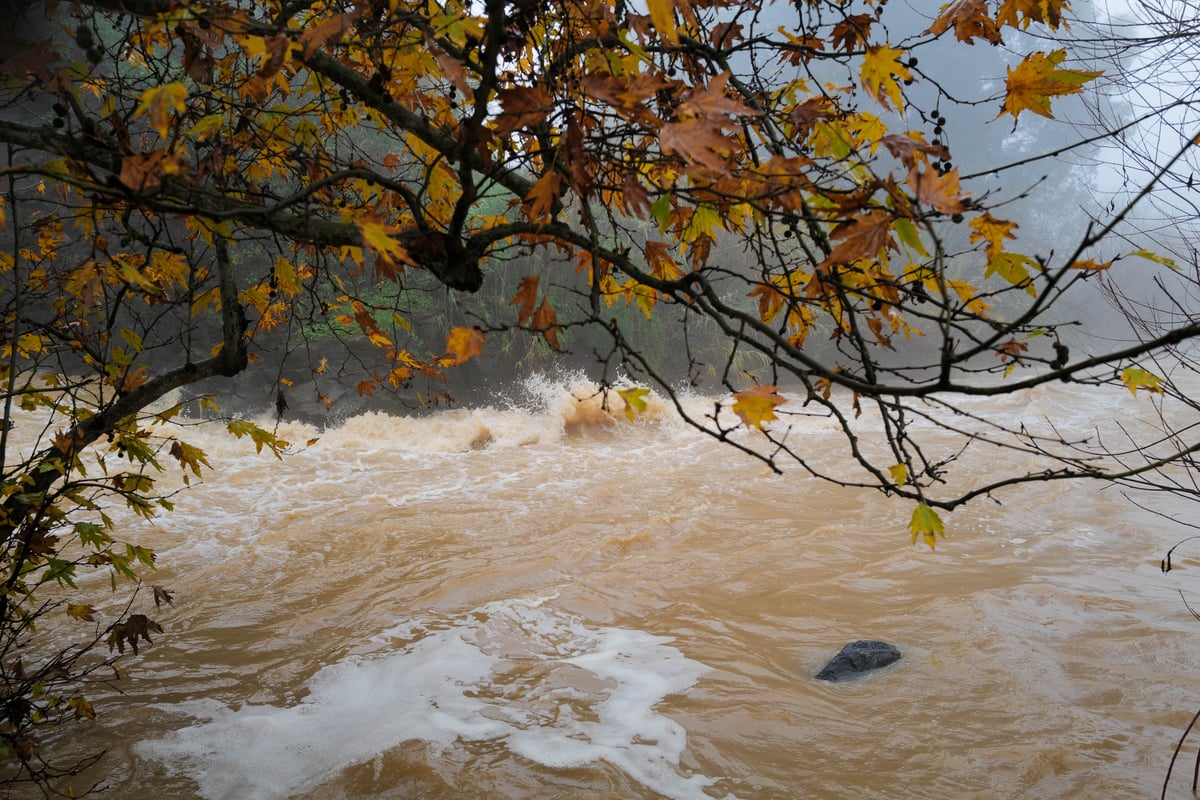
{"x":547,"y":604}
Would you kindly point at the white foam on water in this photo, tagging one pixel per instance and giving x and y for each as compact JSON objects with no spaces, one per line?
{"x":557,"y":691}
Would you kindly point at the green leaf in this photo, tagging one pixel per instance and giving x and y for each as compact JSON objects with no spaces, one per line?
{"x":260,"y":437}
{"x":92,"y":535}
{"x":926,"y":524}
{"x":132,"y":339}
{"x":1157,"y":259}
{"x":660,"y":209}
{"x":61,"y":572}
{"x":909,"y":236}
{"x":189,"y":457}
{"x":1014,"y":268}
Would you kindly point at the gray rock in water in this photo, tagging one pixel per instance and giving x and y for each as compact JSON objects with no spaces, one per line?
{"x":857,"y":658}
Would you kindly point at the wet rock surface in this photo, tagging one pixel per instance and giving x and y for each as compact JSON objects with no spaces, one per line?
{"x":857,"y":658}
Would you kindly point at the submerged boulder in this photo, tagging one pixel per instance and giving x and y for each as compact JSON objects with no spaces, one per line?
{"x":857,"y":658}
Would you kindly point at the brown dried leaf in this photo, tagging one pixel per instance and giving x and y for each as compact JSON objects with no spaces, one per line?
{"x":161,"y":596}
{"x":940,"y":190}
{"x":137,"y":626}
{"x":861,"y":237}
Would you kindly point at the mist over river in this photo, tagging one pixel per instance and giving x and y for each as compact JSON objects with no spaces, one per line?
{"x":541,"y":600}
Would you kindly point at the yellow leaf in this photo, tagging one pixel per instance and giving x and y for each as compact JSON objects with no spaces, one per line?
{"x":81,"y":612}
{"x":635,"y":401}
{"x":286,"y":277}
{"x":207,"y":127}
{"x":926,"y":524}
{"x":706,"y":221}
{"x":899,"y":474}
{"x":881,"y":69}
{"x":1036,"y":79}
{"x":158,"y":102}
{"x":377,"y":236}
{"x":993,"y":231}
{"x":1157,"y":259}
{"x":543,"y":198}
{"x":1136,"y":378}
{"x":82,"y":708}
{"x":757,"y":405}
{"x":662,"y":14}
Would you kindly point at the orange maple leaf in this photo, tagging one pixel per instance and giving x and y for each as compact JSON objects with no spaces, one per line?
{"x":1037,"y":79}
{"x":453,"y":68}
{"x":545,"y":322}
{"x":316,"y":35}
{"x":852,"y":32}
{"x":542,"y":199}
{"x":756,"y":405}
{"x":713,"y":101}
{"x":525,"y":298}
{"x":861,"y":237}
{"x":904,"y":145}
{"x":161,"y":103}
{"x":970,"y":20}
{"x":993,"y":231}
{"x":463,"y":343}
{"x":144,"y":172}
{"x":938,"y":190}
{"x":662,"y":265}
{"x":129,"y":378}
{"x":1091,"y":264}
{"x":522,"y":106}
{"x":1012,"y":350}
{"x":390,"y":255}
{"x":770,"y":301}
{"x":624,"y":93}
{"x":1020,"y":13}
{"x":695,"y":141}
